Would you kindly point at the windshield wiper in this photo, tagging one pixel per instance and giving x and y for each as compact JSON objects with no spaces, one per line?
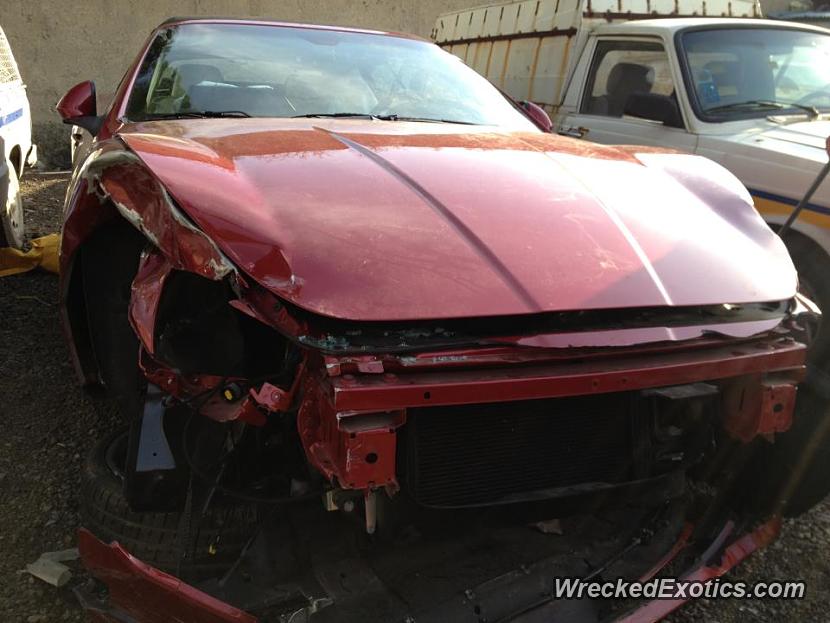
{"x":311,"y":115}
{"x":391,"y":117}
{"x":810,"y":110}
{"x":394,"y":117}
{"x":200,"y":114}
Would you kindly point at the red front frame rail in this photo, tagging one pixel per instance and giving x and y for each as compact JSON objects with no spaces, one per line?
{"x":348,"y":423}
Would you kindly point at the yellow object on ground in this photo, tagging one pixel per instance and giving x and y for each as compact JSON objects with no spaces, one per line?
{"x":43,"y":254}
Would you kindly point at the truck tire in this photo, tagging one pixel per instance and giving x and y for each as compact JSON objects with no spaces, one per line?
{"x":12,"y":230}
{"x":154,"y":537}
{"x":800,"y":461}
{"x":813,"y":266}
{"x":789,"y":476}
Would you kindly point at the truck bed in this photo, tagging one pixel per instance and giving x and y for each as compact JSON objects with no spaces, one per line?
{"x":525,"y":48}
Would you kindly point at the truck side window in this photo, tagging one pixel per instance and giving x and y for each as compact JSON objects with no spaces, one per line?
{"x":621,"y":68}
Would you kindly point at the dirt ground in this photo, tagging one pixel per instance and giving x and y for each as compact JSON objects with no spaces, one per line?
{"x":49,"y":424}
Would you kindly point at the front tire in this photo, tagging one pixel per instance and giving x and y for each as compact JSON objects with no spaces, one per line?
{"x":12,"y":229}
{"x":154,"y":537}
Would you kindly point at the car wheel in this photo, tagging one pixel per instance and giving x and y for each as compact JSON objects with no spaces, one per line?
{"x":12,"y":231}
{"x":216,"y":539}
{"x":109,"y":262}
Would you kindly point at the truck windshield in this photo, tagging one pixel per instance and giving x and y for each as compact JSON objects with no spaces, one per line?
{"x":240,"y":70}
{"x":739,"y":73}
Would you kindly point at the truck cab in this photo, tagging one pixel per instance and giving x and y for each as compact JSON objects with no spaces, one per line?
{"x":751,"y":94}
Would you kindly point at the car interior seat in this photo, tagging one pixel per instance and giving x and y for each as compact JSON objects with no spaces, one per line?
{"x":623,"y":80}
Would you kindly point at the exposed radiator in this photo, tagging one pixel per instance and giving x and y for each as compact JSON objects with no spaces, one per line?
{"x":483,"y":454}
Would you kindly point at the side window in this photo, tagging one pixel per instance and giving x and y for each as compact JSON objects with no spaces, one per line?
{"x":621,"y":68}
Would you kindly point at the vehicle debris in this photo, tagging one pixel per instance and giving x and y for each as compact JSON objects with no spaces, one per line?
{"x":549,"y":526}
{"x":49,"y":567}
{"x":42,"y":254}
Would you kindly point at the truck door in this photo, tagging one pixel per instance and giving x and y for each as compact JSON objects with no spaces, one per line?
{"x":621,"y":71}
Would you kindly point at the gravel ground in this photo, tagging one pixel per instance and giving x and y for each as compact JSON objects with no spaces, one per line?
{"x":49,"y":424}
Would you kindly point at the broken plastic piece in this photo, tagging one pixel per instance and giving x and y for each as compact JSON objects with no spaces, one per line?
{"x":50,"y":571}
{"x":371,"y":512}
{"x":63,"y":555}
{"x":549,"y":526}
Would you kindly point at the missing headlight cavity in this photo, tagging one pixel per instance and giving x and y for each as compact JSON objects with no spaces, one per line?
{"x":197,"y":331}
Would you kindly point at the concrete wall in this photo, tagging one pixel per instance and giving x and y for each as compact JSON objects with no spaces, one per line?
{"x":58,"y":43}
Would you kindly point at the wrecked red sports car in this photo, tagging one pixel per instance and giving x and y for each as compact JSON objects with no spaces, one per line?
{"x":325,"y":269}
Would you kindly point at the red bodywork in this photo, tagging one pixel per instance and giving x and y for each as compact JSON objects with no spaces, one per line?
{"x":143,"y":591}
{"x":369,"y":222}
{"x":471,"y":223}
{"x":79,"y":101}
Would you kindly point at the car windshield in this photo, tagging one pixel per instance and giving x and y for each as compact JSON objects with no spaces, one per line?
{"x":754,"y":72}
{"x":238,"y":70}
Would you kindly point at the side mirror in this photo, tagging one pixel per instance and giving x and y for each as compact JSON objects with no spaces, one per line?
{"x":662,"y":108}
{"x":78,"y":107}
{"x":537,"y":115}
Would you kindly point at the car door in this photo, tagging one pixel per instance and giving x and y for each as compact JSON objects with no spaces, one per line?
{"x":619,"y":68}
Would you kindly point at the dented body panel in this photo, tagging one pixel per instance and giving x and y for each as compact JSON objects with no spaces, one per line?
{"x":417,"y":222}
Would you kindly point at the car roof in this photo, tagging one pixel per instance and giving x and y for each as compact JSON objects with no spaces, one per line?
{"x":175,"y":21}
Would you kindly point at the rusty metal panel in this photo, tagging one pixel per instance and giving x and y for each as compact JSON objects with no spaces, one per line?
{"x":521,"y":64}
{"x":498,"y":62}
{"x":547,"y":13}
{"x":492,"y":22}
{"x":551,"y":69}
{"x":499,"y":40}
{"x":480,"y":53}
{"x":666,"y":7}
{"x":509,"y":16}
{"x":526,"y":16}
{"x":521,"y":17}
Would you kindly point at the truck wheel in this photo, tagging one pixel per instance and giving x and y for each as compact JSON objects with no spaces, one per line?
{"x":813,"y":266}
{"x":12,"y":231}
{"x":154,"y":537}
{"x":791,"y":474}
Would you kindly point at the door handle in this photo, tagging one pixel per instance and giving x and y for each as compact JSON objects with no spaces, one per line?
{"x":579,"y":132}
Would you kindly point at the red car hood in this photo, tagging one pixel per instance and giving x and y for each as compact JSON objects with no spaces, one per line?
{"x":372,"y":220}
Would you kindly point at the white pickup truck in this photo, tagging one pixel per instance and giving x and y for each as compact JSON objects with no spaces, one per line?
{"x":702,"y":76}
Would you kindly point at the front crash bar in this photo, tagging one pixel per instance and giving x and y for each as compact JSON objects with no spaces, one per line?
{"x":388,"y":392}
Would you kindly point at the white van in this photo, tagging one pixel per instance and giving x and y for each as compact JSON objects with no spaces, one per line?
{"x":18,"y":150}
